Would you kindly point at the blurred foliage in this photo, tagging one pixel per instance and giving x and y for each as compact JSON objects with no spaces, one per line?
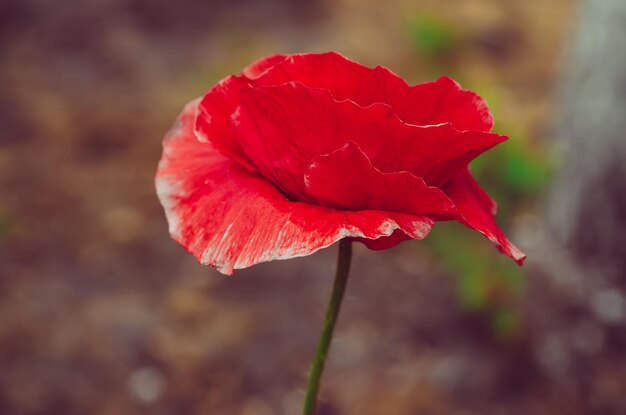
{"x":514,"y":173}
{"x":486,"y":282}
{"x":433,"y":36}
{"x":517,"y":166}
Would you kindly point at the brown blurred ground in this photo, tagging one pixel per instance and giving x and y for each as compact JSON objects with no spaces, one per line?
{"x":101,"y":313}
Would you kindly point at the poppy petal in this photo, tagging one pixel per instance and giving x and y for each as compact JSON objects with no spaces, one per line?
{"x":256,"y":69}
{"x":213,"y":120}
{"x":214,"y":123}
{"x":398,"y":236}
{"x":423,"y":104}
{"x":284,"y":127}
{"x":443,"y":101}
{"x":231,"y":218}
{"x":477,"y":213}
{"x":430,"y":103}
{"x":337,"y":180}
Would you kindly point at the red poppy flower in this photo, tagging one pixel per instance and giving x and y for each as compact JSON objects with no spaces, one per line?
{"x":300,"y":151}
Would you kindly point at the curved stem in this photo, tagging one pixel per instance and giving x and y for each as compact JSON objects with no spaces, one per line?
{"x":332,"y":312}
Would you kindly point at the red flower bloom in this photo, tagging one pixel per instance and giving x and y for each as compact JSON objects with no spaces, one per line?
{"x":300,"y":151}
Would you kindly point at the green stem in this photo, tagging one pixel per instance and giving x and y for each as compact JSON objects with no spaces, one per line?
{"x":332,"y":312}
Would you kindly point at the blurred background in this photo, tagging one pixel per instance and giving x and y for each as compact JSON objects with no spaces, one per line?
{"x":101,"y":313}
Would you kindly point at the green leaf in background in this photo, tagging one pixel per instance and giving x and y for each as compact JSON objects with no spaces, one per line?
{"x":485,"y":280}
{"x":515,"y":165}
{"x":514,"y":173}
{"x":505,"y":323}
{"x":433,"y":36}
